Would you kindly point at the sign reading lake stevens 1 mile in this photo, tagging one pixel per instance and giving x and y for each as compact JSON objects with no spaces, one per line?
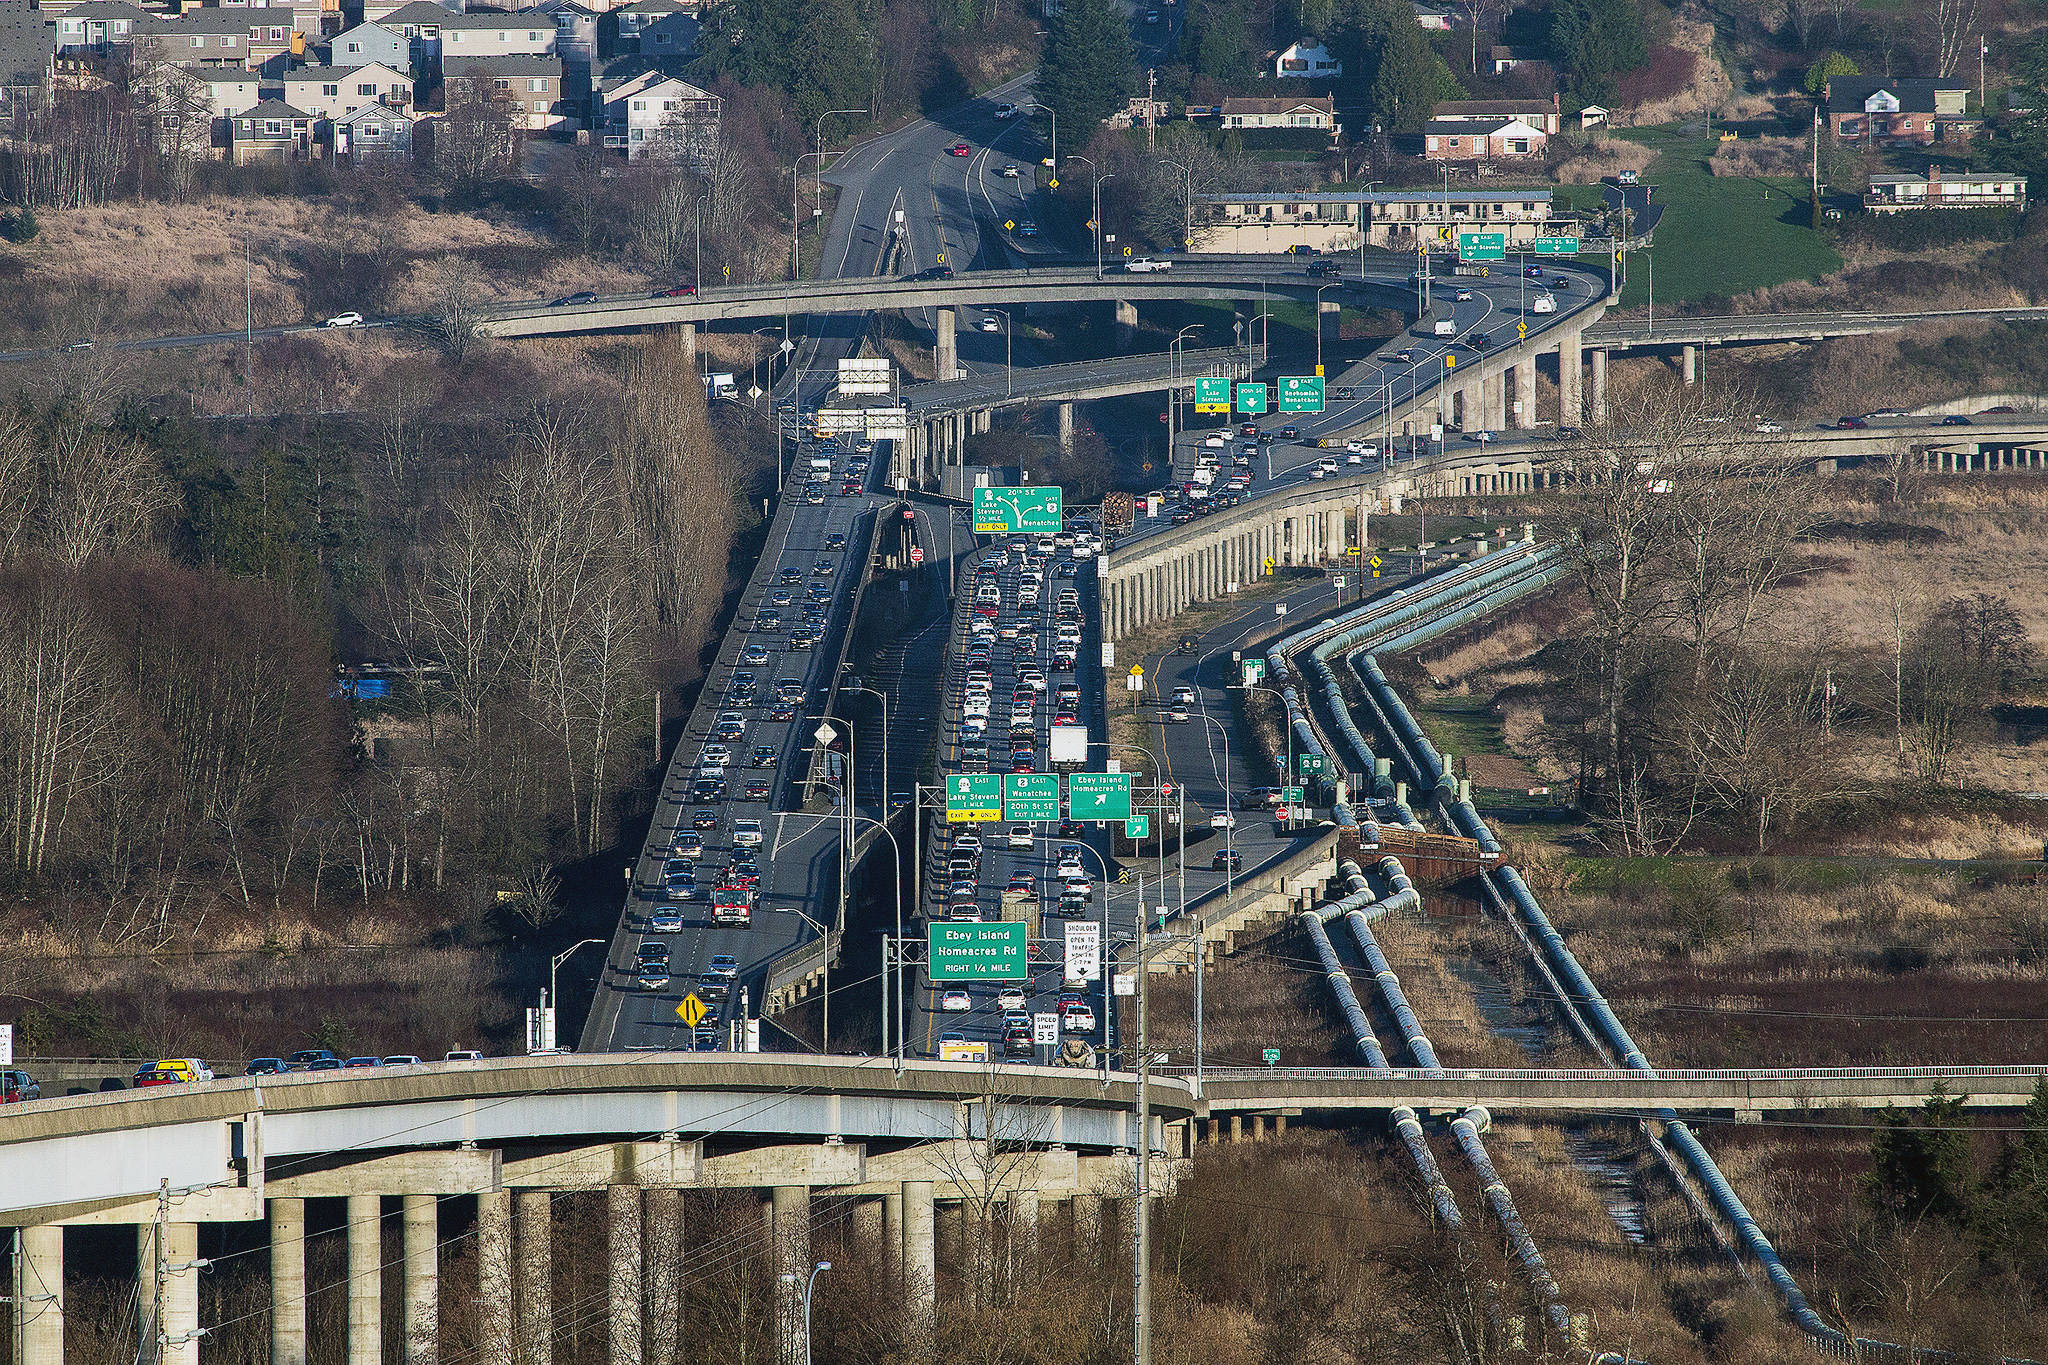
{"x":974,"y":796}
{"x":978,"y":952}
{"x":1099,"y":796}
{"x":1006,"y":511}
{"x":1212,"y":395}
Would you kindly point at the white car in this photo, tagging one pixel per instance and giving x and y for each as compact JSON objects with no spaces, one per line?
{"x":746,"y":833}
{"x":955,"y":1001}
{"x":1479,"y":437}
{"x":1010,"y":998}
{"x":1021,"y":836}
{"x":1464,"y":296}
{"x":1222,"y":819}
{"x":344,"y":320}
{"x":1215,"y":440}
{"x":991,"y":323}
{"x":1010,"y":172}
{"x":1768,"y":428}
{"x":1006,"y":111}
{"x":1079,"y":1019}
{"x":1145,"y":265}
{"x":1543,"y":304}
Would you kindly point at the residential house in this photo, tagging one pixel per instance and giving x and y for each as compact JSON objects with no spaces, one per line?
{"x":1435,"y":16}
{"x":1481,"y":139}
{"x":576,"y":29}
{"x":28,"y":58}
{"x":419,"y":23}
{"x":1541,"y":114}
{"x":273,"y":131}
{"x":307,"y":16}
{"x":1306,"y":60}
{"x":367,"y":43}
{"x":654,"y":115}
{"x":380,"y":11}
{"x":1934,"y":190}
{"x":1318,"y":114}
{"x":1336,"y":221}
{"x":670,"y":36}
{"x":1501,"y":60}
{"x":184,"y":109}
{"x":632,"y":18}
{"x":1918,"y":109}
{"x":222,"y":91}
{"x":496,"y":35}
{"x":258,"y":39}
{"x":372,"y":134}
{"x":532,"y":83}
{"x":328,"y":92}
{"x":1592,"y":116}
{"x":100,"y":28}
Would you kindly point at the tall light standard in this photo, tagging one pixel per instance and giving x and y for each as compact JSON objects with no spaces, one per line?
{"x":796,"y":176}
{"x":1173,"y":352}
{"x":825,"y":735}
{"x":1364,"y":223}
{"x":805,"y":1290}
{"x":855,"y":686}
{"x":1095,"y":202}
{"x":1319,"y":322}
{"x":1055,"y":114}
{"x":1009,"y":377}
{"x":555,"y":965}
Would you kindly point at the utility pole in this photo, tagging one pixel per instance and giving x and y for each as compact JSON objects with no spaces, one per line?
{"x":1816,"y":166}
{"x":1141,"y":1295}
{"x":1152,"y":82}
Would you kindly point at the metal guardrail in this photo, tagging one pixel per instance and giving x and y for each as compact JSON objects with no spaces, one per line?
{"x":1609,"y":1074}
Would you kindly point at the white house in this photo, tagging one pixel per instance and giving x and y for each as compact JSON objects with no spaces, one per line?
{"x":653,"y":115}
{"x":497,"y":35}
{"x":227,"y":90}
{"x":328,"y":92}
{"x":366,"y":43}
{"x":1319,"y":113}
{"x":1307,"y":60}
{"x":1936,"y":190}
{"x":1434,"y":16}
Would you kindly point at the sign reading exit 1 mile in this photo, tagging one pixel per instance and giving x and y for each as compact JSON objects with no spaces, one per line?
{"x":1006,"y":511}
{"x":1212,"y":395}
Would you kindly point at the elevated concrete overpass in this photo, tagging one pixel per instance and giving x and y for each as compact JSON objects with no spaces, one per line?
{"x":1748,"y":1094}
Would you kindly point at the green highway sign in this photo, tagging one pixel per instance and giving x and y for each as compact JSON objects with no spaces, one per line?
{"x":1138,"y":827}
{"x":1251,"y":397}
{"x":974,"y":796}
{"x":1031,"y":796}
{"x":1311,"y":763}
{"x":1291,"y":795}
{"x":1099,"y":796}
{"x":1301,"y":393}
{"x":1212,"y":395}
{"x":1557,"y":246}
{"x":1003,"y":511}
{"x":1270,"y":1056}
{"x":978,"y":952}
{"x":1482,"y":246}
{"x":1253,"y":669}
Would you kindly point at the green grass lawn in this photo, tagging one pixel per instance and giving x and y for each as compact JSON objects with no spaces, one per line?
{"x":1720,"y":235}
{"x":1462,"y":725}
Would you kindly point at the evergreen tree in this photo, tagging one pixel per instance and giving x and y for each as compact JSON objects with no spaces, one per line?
{"x":1594,"y":41}
{"x":1831,"y":65}
{"x":2016,"y":1206}
{"x":1088,"y":69}
{"x":1410,"y":79}
{"x":1920,"y":1163}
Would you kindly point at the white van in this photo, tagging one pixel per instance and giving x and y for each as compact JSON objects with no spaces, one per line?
{"x":1543,"y":304}
{"x":1445,"y":327}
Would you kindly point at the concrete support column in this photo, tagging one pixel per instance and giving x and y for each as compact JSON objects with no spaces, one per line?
{"x":1024,"y":1228}
{"x":365,"y":1279}
{"x":1497,"y":391}
{"x":1570,"y":362}
{"x":920,"y":1259}
{"x":181,"y":1294}
{"x":1524,"y":414}
{"x":1237,"y":1126}
{"x":536,"y":1230}
{"x":1258,"y":1127}
{"x":1126,"y":324}
{"x":790,"y":1235}
{"x":946,"y":354}
{"x":145,"y":1281}
{"x":1333,"y":544}
{"x":686,"y":339}
{"x":421,"y":1222}
{"x":1689,"y":364}
{"x":1599,"y":387}
{"x":287,"y":1281}
{"x":892,"y":1232}
{"x":662,"y":1273}
{"x":494,"y":1275}
{"x":1446,"y":400}
{"x":623,"y":1217}
{"x":1329,"y":316}
{"x":1088,"y":1223}
{"x":39,"y":1298}
{"x":1066,"y":428}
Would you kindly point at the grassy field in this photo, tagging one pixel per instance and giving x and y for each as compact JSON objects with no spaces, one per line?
{"x":1720,"y":235}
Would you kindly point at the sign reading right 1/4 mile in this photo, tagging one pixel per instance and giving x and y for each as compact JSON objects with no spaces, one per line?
{"x":1099,"y":796}
{"x":978,"y":952}
{"x":1007,"y":511}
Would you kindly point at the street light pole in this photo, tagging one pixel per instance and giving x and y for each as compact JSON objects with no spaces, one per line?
{"x":808,"y":1289}
{"x":555,"y":966}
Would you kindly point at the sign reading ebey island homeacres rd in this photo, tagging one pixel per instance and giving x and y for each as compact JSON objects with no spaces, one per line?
{"x":978,"y":952}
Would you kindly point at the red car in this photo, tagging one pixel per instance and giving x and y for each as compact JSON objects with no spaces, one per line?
{"x":681,"y":291}
{"x":151,"y":1075}
{"x":959,"y":149}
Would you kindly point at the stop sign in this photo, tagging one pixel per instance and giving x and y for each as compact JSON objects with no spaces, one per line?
{"x":917,"y":554}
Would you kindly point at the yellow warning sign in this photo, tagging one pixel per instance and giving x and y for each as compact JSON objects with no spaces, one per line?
{"x":692,"y":1010}
{"x":1376,"y":561}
